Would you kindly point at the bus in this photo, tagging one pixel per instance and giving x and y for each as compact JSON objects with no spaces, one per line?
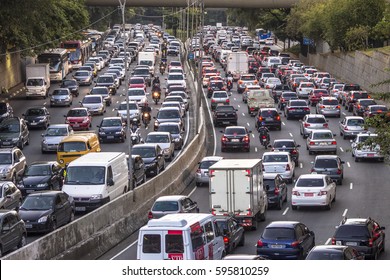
{"x":78,"y":52}
{"x":58,"y":62}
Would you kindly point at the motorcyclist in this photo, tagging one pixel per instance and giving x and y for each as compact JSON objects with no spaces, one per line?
{"x":156,"y":80}
{"x":264,"y":132}
{"x":146,"y":111}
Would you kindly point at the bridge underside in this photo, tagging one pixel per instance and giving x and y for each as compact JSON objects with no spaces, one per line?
{"x":207,"y":3}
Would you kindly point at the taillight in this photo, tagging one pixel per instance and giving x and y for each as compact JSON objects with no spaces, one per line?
{"x":370,"y":242}
{"x":283,"y":100}
{"x":322,"y":107}
{"x":333,"y":241}
{"x":213,"y":211}
{"x":260,"y":243}
{"x":224,"y":139}
{"x":260,"y":119}
{"x":228,"y":101}
{"x":226,"y":240}
{"x":338,"y":106}
{"x":198,"y":171}
{"x":325,"y":125}
{"x":311,"y":143}
{"x":334,"y":142}
{"x":296,"y":193}
{"x":322,"y":193}
{"x":288,"y":167}
{"x":293,"y":152}
{"x":150,"y":215}
{"x":246,"y":139}
{"x":278,"y":118}
{"x":295,"y":244}
{"x":262,"y":167}
{"x":264,"y":137}
{"x":212,"y":100}
{"x":276,"y":191}
{"x":306,"y":124}
{"x":339,"y":171}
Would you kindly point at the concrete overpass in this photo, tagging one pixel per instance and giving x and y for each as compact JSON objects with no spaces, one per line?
{"x":207,"y":3}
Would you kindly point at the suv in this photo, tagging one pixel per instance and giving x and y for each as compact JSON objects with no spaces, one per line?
{"x":225,"y":114}
{"x":12,"y":164}
{"x":330,"y":165}
{"x":13,"y":231}
{"x":363,"y":234}
{"x":171,"y":204}
{"x":6,"y":111}
{"x":268,"y":117}
{"x":364,"y":147}
{"x":37,"y":117}
{"x":14,"y":132}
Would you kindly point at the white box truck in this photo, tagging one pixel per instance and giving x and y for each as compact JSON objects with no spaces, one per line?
{"x":37,"y":80}
{"x":148,"y":59}
{"x":237,"y":64}
{"x":236,"y":188}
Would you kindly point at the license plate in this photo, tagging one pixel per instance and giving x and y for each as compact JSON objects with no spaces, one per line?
{"x":351,"y":243}
{"x":81,"y":208}
{"x":268,"y":119}
{"x":30,"y":191}
{"x":370,"y":155}
{"x":110,"y":137}
{"x":277,"y":246}
{"x":308,"y":194}
{"x":225,"y":122}
{"x":28,"y":225}
{"x":298,"y":110}
{"x":6,"y":143}
{"x":323,"y":143}
{"x":76,"y":125}
{"x":235,"y":140}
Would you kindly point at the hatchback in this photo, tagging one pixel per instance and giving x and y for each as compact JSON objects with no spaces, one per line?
{"x":78,"y":118}
{"x":61,"y":97}
{"x":232,"y":231}
{"x":176,"y":132}
{"x":37,"y":117}
{"x":374,"y":110}
{"x":279,"y":163}
{"x":285,"y":97}
{"x":330,"y":165}
{"x":313,"y":190}
{"x":104,"y":92}
{"x":107,"y":81}
{"x":202,"y":173}
{"x":168,"y":114}
{"x":14,"y":133}
{"x":219,"y":97}
{"x":296,"y":109}
{"x":312,"y":122}
{"x":304,"y":89}
{"x":321,"y":140}
{"x":172,"y":204}
{"x":316,"y":94}
{"x":328,"y":106}
{"x":235,"y":137}
{"x":334,"y":252}
{"x":72,"y":85}
{"x":12,"y":231}
{"x":287,"y":145}
{"x":94,"y":103}
{"x":112,"y":129}
{"x":276,"y":189}
{"x":268,"y":117}
{"x":285,"y":240}
{"x":153,"y":157}
{"x":10,"y":196}
{"x":351,"y":126}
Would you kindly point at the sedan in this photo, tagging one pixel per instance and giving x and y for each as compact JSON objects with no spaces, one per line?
{"x":351,"y":126}
{"x":296,"y":109}
{"x":233,"y":233}
{"x":153,"y":157}
{"x":235,"y":137}
{"x":334,"y":252}
{"x":112,"y":129}
{"x":279,"y":163}
{"x":53,"y":136}
{"x":321,"y":140}
{"x":10,"y":196}
{"x":94,"y":103}
{"x":313,"y":190}
{"x":61,"y":97}
{"x":46,"y":211}
{"x":312,"y":122}
{"x":285,"y":240}
{"x":276,"y":190}
{"x":84,"y":78}
{"x":287,"y":145}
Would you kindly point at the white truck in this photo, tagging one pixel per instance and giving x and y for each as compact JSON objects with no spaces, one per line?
{"x":148,"y":59}
{"x":37,"y":80}
{"x":236,"y":188}
{"x":237,"y":64}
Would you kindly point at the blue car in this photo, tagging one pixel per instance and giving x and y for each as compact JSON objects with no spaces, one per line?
{"x":286,"y":240}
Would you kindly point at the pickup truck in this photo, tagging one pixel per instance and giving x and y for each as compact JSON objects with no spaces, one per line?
{"x":259,"y":98}
{"x":364,"y":147}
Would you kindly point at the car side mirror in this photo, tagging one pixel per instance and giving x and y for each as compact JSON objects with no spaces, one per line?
{"x":267,"y":187}
{"x":80,"y":102}
{"x":342,"y":162}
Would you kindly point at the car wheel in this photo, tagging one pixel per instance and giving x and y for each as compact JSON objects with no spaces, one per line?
{"x":22,"y":241}
{"x":242,"y":240}
{"x":71,"y":218}
{"x":294,"y":207}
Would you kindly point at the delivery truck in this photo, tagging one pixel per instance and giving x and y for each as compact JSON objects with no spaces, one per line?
{"x":37,"y":80}
{"x":148,"y":59}
{"x":236,"y":188}
{"x":237,"y":64}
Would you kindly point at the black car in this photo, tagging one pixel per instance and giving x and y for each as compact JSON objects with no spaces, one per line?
{"x":46,"y":211}
{"x":296,"y":109}
{"x":72,"y":85}
{"x":225,"y":114}
{"x":363,"y":234}
{"x":287,"y":145}
{"x":214,"y":86}
{"x":14,"y":132}
{"x":276,"y":190}
{"x":6,"y":111}
{"x":139,"y":170}
{"x":285,"y":97}
{"x":37,"y":117}
{"x":153,"y":157}
{"x":268,"y":117}
{"x":41,"y":176}
{"x":12,"y":231}
{"x":235,"y":137}
{"x":112,"y":129}
{"x":334,"y":252}
{"x":106,"y":81}
{"x":104,"y":92}
{"x":278,"y":90}
{"x":233,"y":232}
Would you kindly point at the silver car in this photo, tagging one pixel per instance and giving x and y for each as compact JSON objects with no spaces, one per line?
{"x":165,"y":141}
{"x":219,"y":97}
{"x":312,"y":122}
{"x":176,"y":132}
{"x":134,"y":111}
{"x":172,"y":204}
{"x":328,"y":106}
{"x":94,"y":103}
{"x":10,"y":196}
{"x":83,"y":77}
{"x":321,"y":140}
{"x":351,"y":126}
{"x":202,"y":173}
{"x":61,"y":97}
{"x":53,"y":136}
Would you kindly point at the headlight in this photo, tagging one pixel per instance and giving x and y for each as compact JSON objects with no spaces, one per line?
{"x":5,"y":170}
{"x":156,"y":123}
{"x":52,"y":99}
{"x":85,"y":120}
{"x":20,"y":185}
{"x":43,"y":185}
{"x":166,"y":150}
{"x":118,"y":132}
{"x":102,"y":133}
{"x":96,"y":197}
{"x":15,"y":139}
{"x":177,"y":139}
{"x":43,"y":219}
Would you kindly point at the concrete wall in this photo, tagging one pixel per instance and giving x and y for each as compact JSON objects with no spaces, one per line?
{"x":97,"y":232}
{"x":13,"y":70}
{"x":357,"y":67}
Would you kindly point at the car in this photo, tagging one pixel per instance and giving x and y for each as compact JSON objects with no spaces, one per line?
{"x":215,"y":86}
{"x":276,"y":189}
{"x":153,"y":157}
{"x":94,"y":103}
{"x":235,"y":137}
{"x":79,"y":119}
{"x":296,"y":109}
{"x":183,"y":95}
{"x":112,"y":129}
{"x":285,"y":97}
{"x":285,"y":240}
{"x":373,"y":110}
{"x":61,"y":97}
{"x":138,"y":95}
{"x":313,"y":190}
{"x":168,"y":114}
{"x":165,"y":141}
{"x":360,"y":106}
{"x":225,"y":114}
{"x":328,"y":106}
{"x":350,"y":126}
{"x":46,"y":211}
{"x":175,"y":104}
{"x":242,"y":257}
{"x":312,"y":122}
{"x":279,"y":163}
{"x":176,"y":78}
{"x":137,"y":82}
{"x":331,"y":165}
{"x":287,"y":145}
{"x":72,"y":85}
{"x":104,"y":92}
{"x":171,"y":204}
{"x":232,"y":231}
{"x":14,"y":133}
{"x":10,"y":196}
{"x":12,"y":231}
{"x":321,"y":140}
{"x":6,"y":111}
{"x":12,"y":164}
{"x":268,"y":117}
{"x":272,"y":82}
{"x":334,"y":252}
{"x":138,"y":170}
{"x":304,"y":89}
{"x":316,"y":94}
{"x":202,"y":173}
{"x":353,"y":96}
{"x":173,"y":51}
{"x":37,"y":117}
{"x":248,"y":88}
{"x":364,"y":147}
{"x":245,"y":79}
{"x":84,"y":78}
{"x":41,"y":176}
{"x":176,"y":132}
{"x":134,"y":111}
{"x":363,"y":234}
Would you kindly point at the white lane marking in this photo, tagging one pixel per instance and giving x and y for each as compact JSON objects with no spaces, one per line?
{"x":113,"y":109}
{"x":238,"y":106}
{"x":345,"y":213}
{"x":328,"y":241}
{"x":247,"y":124}
{"x":344,"y":114}
{"x":253,"y":136}
{"x":256,"y":149}
{"x":125,"y":249}
{"x":283,"y":123}
{"x":349,"y":165}
{"x":44,"y":103}
{"x":243,"y":114}
{"x":301,"y":165}
{"x":117,"y":101}
{"x":351,"y":186}
{"x":341,"y":149}
{"x":285,"y":211}
{"x":291,"y":134}
{"x":234,"y":99}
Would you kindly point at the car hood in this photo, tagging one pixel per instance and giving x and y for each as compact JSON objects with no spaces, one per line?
{"x":34,"y":180}
{"x":31,"y":215}
{"x":110,"y":129}
{"x":148,"y":160}
{"x":32,"y":118}
{"x":6,"y":135}
{"x":75,"y":119}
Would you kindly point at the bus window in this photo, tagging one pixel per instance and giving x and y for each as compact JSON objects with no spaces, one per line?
{"x":174,"y":243}
{"x":151,"y":243}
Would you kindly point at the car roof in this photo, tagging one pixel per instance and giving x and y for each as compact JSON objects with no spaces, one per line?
{"x":171,"y":197}
{"x":354,"y":117}
{"x":311,"y":176}
{"x":329,"y":248}
{"x":276,"y":153}
{"x":211,"y":158}
{"x":43,"y":162}
{"x":284,"y":224}
{"x":45,"y":193}
{"x":326,"y":157}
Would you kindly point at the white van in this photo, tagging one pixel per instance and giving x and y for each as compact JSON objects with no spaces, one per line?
{"x":184,"y":236}
{"x":96,"y":178}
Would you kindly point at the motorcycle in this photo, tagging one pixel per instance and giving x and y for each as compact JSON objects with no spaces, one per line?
{"x":162,"y":70}
{"x":229,"y":85}
{"x":135,"y":135}
{"x":264,"y":136}
{"x":156,"y":96}
{"x":146,"y":118}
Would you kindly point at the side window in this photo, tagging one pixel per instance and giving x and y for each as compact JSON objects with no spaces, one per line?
{"x":151,"y":244}
{"x":89,"y":146}
{"x":12,"y":220}
{"x":109,"y":173}
{"x":208,"y":228}
{"x":58,"y":201}
{"x":299,"y":232}
{"x":8,"y":190}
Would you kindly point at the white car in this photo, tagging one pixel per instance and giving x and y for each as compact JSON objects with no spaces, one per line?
{"x":304,"y":89}
{"x":364,"y":147}
{"x":139,"y":95}
{"x":176,"y":78}
{"x":272,"y":82}
{"x":321,"y":140}
{"x":351,"y":126}
{"x":165,"y":141}
{"x":279,"y":163}
{"x":313,"y":190}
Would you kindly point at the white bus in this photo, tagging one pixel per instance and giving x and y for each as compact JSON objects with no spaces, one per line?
{"x":58,"y":62}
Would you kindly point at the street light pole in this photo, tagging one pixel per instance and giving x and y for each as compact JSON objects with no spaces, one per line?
{"x":130,"y":161}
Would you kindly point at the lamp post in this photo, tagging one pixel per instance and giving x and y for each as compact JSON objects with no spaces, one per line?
{"x":130,"y":161}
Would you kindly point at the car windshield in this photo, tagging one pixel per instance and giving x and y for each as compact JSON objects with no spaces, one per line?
{"x":35,"y":112}
{"x":144,"y":152}
{"x":72,"y":146}
{"x":81,"y":74}
{"x":67,"y":83}
{"x":325,"y":255}
{"x":102,"y":90}
{"x":85,"y":175}
{"x":153,"y":138}
{"x":135,"y":92}
{"x":367,"y":102}
{"x":77,"y":113}
{"x":268,"y":113}
{"x":38,"y":203}
{"x":235,"y":131}
{"x":60,"y":92}
{"x":284,"y":144}
{"x":316,"y":120}
{"x":132,"y":106}
{"x":270,"y":183}
{"x":165,"y":206}
{"x":330,"y":102}
{"x":175,"y":77}
{"x":56,"y":132}
{"x":9,"y":127}
{"x":5,"y":159}
{"x":111,"y":122}
{"x":378,"y":109}
{"x":278,"y":233}
{"x":137,"y":81}
{"x":225,"y":108}
{"x":298,"y":103}
{"x":307,"y":85}
{"x":275,"y":158}
{"x":168,"y":114}
{"x":169,"y":128}
{"x":91,"y":100}
{"x":325,"y":163}
{"x":206,"y":164}
{"x":220,"y":95}
{"x":355,"y":122}
{"x":105,"y":80}
{"x":310,"y":182}
{"x":38,"y":170}
{"x":352,"y":231}
{"x":322,"y":135}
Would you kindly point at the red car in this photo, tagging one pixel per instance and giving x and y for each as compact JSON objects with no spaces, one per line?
{"x":137,"y":82}
{"x":316,"y":94}
{"x":79,"y":119}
